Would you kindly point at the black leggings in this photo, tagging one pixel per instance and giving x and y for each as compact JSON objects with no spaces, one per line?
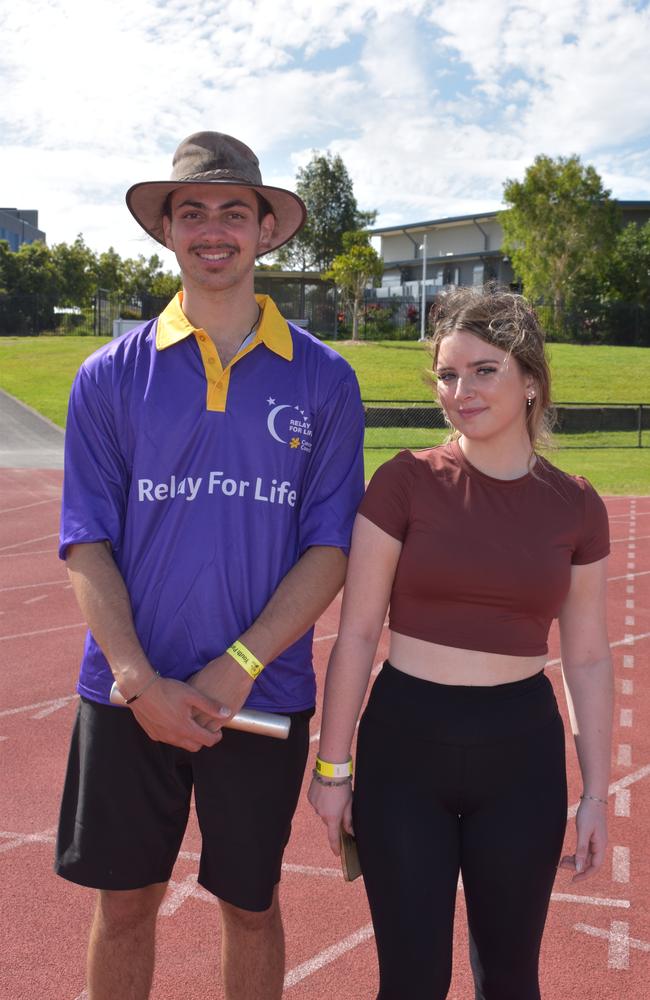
{"x":459,"y":779}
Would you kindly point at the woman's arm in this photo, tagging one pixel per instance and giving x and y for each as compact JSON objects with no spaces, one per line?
{"x":588,"y":683}
{"x":371,"y":568}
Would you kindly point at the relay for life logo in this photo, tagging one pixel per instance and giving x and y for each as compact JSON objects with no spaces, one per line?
{"x":290,"y":425}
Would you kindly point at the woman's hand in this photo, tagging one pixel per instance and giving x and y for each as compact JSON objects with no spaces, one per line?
{"x":333,"y":803}
{"x":591,"y":828}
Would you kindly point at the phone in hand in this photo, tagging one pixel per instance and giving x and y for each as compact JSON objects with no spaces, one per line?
{"x":350,"y":863}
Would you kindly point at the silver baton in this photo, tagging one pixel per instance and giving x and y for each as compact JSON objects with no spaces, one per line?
{"x":248,"y":720}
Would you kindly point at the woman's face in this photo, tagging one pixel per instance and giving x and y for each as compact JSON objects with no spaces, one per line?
{"x":481,"y":388}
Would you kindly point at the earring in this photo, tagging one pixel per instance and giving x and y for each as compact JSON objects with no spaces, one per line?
{"x":530,"y":397}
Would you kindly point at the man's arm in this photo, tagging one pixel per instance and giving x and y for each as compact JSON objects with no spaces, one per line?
{"x":301,"y":597}
{"x":167,"y":709}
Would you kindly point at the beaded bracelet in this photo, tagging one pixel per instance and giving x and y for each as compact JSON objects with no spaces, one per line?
{"x":594,"y":798}
{"x":331,"y":782}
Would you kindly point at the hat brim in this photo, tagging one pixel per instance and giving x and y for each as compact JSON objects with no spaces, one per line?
{"x":146,"y":201}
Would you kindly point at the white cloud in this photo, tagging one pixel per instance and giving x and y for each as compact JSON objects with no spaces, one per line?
{"x":431,"y":103}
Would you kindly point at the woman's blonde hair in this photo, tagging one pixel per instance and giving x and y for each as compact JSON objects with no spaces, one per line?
{"x":507,"y":321}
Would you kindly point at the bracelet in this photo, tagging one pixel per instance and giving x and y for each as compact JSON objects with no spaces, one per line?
{"x":331,"y":782}
{"x":594,"y":798}
{"x":328,"y":770}
{"x":245,"y":659}
{"x":152,"y":680}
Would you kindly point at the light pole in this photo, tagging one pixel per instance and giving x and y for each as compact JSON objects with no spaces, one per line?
{"x":423,"y":305}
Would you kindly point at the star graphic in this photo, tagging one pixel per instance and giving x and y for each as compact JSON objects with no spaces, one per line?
{"x":271,"y":401}
{"x":294,"y":443}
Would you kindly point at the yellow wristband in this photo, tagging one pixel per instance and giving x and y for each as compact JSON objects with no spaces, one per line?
{"x":327,"y":770}
{"x":245,"y":659}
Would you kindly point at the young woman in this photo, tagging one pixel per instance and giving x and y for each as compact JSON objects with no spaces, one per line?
{"x":476,"y":545}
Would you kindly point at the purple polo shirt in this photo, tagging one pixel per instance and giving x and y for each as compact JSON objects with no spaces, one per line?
{"x":209,"y":485}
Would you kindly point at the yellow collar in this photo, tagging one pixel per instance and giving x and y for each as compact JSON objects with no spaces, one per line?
{"x":272,"y":330}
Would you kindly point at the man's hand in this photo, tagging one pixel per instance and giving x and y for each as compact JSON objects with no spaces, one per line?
{"x":170,"y":711}
{"x":223,"y":681}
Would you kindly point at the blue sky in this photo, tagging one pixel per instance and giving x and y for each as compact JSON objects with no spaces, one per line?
{"x":432,"y":104}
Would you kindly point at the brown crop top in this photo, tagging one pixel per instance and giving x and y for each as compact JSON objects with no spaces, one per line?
{"x":485,"y":563}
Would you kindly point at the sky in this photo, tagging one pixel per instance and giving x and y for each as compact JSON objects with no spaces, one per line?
{"x":432,"y":104}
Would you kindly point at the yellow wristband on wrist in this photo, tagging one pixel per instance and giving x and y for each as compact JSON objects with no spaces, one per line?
{"x":328,"y":770}
{"x":245,"y":659}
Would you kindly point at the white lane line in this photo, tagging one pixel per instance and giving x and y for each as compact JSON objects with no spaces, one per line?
{"x":42,"y":631}
{"x":34,"y":600}
{"x":630,"y":620}
{"x":622,"y":802}
{"x":629,"y":538}
{"x":46,"y":707}
{"x":24,"y":555}
{"x":30,"y":586}
{"x":13,"y":840}
{"x":567,"y":897}
{"x":26,"y":506}
{"x":28,"y":541}
{"x":327,"y":956}
{"x":312,"y":871}
{"x":627,"y":687}
{"x":625,"y":720}
{"x":628,"y":576}
{"x":619,"y":942}
{"x":621,"y":864}
{"x":624,"y":755}
{"x":628,"y":661}
{"x":178,"y":892}
{"x":629,"y":605}
{"x":627,"y":640}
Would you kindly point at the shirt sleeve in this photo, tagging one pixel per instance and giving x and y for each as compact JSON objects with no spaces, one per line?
{"x":95,"y":481}
{"x":387,"y":502}
{"x":334,"y":481}
{"x":594,"y":544}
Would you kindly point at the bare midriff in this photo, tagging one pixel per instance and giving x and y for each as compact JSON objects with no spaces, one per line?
{"x":450,"y":665}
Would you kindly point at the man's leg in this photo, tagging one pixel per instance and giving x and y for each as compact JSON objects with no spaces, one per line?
{"x":252,"y":952}
{"x":122,"y":943}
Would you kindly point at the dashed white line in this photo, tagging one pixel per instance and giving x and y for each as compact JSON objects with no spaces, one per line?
{"x":628,"y":661}
{"x":30,"y":586}
{"x":45,"y":707}
{"x":622,"y":802}
{"x":629,"y":605}
{"x":568,"y":897}
{"x":619,"y":942}
{"x":625,"y":719}
{"x":620,"y":864}
{"x":627,"y":687}
{"x":26,"y":506}
{"x":630,"y":620}
{"x":624,"y":755}
{"x":33,"y":600}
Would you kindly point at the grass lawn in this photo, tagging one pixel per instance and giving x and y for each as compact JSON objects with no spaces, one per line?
{"x":39,"y":370}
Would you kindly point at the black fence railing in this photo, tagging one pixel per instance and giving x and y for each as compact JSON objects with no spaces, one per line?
{"x":420,"y":424}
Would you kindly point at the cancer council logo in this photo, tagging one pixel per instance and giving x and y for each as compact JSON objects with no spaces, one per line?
{"x":290,"y":425}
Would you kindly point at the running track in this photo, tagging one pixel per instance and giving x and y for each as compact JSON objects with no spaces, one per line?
{"x":598,"y":939}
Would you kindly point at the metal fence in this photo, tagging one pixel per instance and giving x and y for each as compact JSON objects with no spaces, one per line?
{"x":421,"y":424}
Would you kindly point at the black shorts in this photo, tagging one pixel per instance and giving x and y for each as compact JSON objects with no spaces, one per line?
{"x":126,"y":803}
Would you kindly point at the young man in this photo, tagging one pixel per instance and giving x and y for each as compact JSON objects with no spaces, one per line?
{"x":213,"y":469}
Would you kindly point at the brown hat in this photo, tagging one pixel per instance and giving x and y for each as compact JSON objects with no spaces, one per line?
{"x":215,"y":158}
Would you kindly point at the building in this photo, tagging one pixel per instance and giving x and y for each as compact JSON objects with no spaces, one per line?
{"x":461,"y":250}
{"x":18,"y":226}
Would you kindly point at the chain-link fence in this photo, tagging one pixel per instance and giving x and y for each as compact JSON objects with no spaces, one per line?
{"x":421,"y":424}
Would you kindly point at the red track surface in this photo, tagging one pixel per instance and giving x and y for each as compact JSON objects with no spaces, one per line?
{"x":597,"y":944}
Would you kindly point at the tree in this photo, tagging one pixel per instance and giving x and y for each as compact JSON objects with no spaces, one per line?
{"x":627,"y":276}
{"x":353,"y":270}
{"x":325,"y":187}
{"x":559,"y":229}
{"x":75,"y":265}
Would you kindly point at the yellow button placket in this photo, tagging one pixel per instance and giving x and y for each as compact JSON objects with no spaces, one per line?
{"x":217,"y":377}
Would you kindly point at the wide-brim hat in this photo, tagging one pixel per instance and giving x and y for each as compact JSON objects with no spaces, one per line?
{"x":215,"y":158}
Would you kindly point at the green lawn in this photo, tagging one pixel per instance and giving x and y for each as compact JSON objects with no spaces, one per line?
{"x":39,"y":370}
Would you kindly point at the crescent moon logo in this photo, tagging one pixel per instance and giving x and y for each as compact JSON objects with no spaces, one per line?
{"x":270,"y":421}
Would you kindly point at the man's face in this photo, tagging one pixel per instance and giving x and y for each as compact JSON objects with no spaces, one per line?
{"x":216,"y":234}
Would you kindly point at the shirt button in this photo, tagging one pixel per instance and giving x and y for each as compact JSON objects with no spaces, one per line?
{"x":201,"y":337}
